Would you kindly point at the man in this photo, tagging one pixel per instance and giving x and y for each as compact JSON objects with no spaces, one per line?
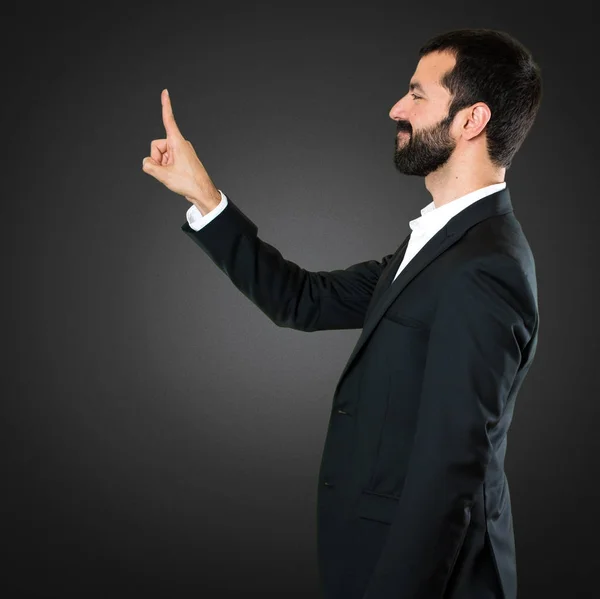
{"x":413,"y":501}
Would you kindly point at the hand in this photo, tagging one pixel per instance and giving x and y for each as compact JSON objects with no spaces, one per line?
{"x":173,"y":162}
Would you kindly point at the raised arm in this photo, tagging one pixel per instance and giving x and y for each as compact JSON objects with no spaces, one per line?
{"x":289,"y":295}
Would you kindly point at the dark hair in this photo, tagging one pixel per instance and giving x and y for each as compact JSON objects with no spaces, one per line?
{"x":495,"y":68}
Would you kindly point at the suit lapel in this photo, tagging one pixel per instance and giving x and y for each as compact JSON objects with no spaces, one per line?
{"x":386,"y":277}
{"x":386,"y":292}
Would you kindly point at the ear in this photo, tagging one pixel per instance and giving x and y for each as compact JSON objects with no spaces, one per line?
{"x":476,"y":118}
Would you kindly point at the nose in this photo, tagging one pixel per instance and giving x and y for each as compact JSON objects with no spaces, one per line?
{"x":398,"y":111}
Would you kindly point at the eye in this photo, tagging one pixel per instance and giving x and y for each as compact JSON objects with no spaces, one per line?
{"x":416,"y":97}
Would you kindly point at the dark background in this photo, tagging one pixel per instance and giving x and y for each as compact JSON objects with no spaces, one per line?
{"x":163,"y":437}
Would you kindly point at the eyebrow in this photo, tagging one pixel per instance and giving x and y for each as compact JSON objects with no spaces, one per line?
{"x":416,"y":85}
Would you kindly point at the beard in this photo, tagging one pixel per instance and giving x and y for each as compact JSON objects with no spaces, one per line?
{"x":425,"y":151}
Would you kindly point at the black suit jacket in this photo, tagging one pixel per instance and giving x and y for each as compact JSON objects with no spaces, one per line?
{"x":413,"y":501}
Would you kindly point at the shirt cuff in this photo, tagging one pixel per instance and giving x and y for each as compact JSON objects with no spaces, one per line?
{"x":195,"y":218}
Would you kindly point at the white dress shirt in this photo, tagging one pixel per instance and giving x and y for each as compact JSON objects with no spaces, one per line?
{"x":195,"y":219}
{"x":424,"y":227}
{"x":432,"y":219}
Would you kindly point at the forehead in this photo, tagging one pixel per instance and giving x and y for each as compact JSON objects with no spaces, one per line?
{"x":430,"y":69}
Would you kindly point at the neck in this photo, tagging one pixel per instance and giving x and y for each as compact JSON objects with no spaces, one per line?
{"x":455,"y":180}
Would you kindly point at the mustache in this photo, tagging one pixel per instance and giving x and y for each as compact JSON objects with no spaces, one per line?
{"x":403,"y":127}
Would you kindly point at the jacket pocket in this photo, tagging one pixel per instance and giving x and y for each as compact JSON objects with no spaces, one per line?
{"x":407,"y":321}
{"x":376,"y":506}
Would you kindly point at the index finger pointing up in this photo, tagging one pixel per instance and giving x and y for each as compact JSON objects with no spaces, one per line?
{"x":167,"y":113}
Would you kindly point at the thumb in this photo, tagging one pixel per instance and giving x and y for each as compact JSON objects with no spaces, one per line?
{"x":150,"y":166}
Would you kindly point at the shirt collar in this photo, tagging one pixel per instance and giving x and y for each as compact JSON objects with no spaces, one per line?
{"x":433,"y":218}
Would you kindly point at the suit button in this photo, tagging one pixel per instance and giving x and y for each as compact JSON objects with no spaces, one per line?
{"x":342,"y":412}
{"x":328,"y":484}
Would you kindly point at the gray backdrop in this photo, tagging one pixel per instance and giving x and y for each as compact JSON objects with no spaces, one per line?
{"x":163,"y":437}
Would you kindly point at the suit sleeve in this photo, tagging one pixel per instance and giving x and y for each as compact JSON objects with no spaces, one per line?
{"x":480,"y":329}
{"x":288,"y":294}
